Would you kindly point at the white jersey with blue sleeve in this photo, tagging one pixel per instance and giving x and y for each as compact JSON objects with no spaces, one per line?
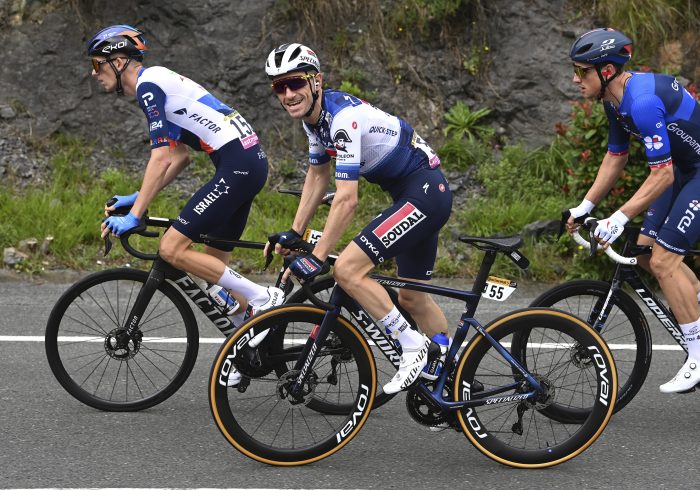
{"x":365,"y":141}
{"x":179,"y":109}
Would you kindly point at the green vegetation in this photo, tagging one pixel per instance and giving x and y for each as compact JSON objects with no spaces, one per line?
{"x":650,"y":23}
{"x":519,"y":187}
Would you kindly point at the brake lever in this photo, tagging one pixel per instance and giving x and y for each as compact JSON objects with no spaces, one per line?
{"x":108,"y":245}
{"x":565,"y":215}
{"x":268,"y":260}
{"x":590,"y":224}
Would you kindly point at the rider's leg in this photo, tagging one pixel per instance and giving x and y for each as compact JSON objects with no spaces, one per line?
{"x":643,"y":261}
{"x":175,"y":248}
{"x":680,"y":295}
{"x":351,"y":271}
{"x":424,"y":310}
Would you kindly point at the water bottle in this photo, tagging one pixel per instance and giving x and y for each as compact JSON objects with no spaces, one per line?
{"x":222,"y":298}
{"x":432,"y":370}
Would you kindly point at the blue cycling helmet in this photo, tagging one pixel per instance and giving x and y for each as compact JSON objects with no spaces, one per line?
{"x":602,"y":46}
{"x":121,"y":38}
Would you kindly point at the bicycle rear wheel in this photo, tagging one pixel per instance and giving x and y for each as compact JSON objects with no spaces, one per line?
{"x":385,"y":369}
{"x":86,"y":357}
{"x":625,"y":329}
{"x":521,"y":432}
{"x":260,"y":417}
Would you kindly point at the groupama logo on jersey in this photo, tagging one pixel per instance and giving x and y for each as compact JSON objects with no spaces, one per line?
{"x":653,"y":142}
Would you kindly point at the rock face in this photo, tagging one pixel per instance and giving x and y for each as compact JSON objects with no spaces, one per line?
{"x":508,"y":55}
{"x":522,"y":72}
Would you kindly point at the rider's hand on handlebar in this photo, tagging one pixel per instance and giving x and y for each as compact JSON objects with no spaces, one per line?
{"x":575,"y":216}
{"x":308,"y":266}
{"x":120,"y":202}
{"x":283,"y":242}
{"x":119,"y":224}
{"x":609,"y":229}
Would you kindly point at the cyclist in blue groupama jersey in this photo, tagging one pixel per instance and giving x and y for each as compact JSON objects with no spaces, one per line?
{"x":659,"y":112}
{"x":385,"y":150}
{"x":180,"y":112}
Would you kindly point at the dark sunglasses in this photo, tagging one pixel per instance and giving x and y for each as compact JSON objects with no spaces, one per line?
{"x":294,"y":83}
{"x":581,"y":71}
{"x":96,"y":64}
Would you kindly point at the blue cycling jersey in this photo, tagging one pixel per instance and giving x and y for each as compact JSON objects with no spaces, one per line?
{"x":657,"y":110}
{"x":365,"y":141}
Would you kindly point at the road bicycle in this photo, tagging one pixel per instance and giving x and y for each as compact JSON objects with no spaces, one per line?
{"x":614,"y":313}
{"x":512,"y":405}
{"x":126,"y":339}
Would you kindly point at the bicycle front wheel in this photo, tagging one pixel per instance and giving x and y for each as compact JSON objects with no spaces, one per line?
{"x":385,"y":369}
{"x":262,"y":417}
{"x":517,"y":429}
{"x":87,"y":354}
{"x":624,"y":329}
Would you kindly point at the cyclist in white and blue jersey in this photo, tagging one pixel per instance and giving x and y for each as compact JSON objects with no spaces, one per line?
{"x":655,"y":109}
{"x":385,"y":150}
{"x":181,"y":113}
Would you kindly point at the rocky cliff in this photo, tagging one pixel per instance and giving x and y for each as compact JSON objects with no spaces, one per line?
{"x":508,"y":55}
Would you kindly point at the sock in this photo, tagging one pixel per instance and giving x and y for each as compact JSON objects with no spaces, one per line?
{"x":235,"y":282}
{"x":401,"y":330}
{"x":691,"y":332}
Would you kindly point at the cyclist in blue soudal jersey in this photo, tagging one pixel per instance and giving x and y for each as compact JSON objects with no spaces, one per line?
{"x":179,"y":112}
{"x":385,"y":150}
{"x":659,"y":112}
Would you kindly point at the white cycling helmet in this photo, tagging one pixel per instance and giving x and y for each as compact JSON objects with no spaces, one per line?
{"x":291,"y":57}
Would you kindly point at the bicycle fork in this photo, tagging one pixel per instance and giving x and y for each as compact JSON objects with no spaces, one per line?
{"x":309,"y":353}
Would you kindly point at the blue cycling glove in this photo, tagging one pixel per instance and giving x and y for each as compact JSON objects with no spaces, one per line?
{"x":288,"y":239}
{"x":121,"y":224}
{"x":125,"y":201}
{"x":308,"y":267}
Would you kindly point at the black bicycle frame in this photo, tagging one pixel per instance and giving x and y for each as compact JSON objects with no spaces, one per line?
{"x":339,"y":298}
{"x":162,"y":271}
{"x":628,"y":274}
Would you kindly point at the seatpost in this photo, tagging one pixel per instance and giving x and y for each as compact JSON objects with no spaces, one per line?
{"x":481,"y":278}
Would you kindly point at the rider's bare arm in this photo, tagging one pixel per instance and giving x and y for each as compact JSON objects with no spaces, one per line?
{"x":656,"y":183}
{"x":315,"y":187}
{"x":340,"y":216}
{"x":608,"y":173}
{"x":153,"y":178}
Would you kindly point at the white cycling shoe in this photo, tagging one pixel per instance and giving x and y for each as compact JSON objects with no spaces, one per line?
{"x":685,"y":380}
{"x":412,"y":363}
{"x":275,"y":298}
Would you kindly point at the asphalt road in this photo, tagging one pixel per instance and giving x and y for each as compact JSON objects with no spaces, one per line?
{"x":49,"y":439}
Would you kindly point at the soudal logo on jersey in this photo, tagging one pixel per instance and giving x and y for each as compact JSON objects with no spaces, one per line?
{"x":341,"y":139}
{"x":219,"y":189}
{"x":398,"y":224}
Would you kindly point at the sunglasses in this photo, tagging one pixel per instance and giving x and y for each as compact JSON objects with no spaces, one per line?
{"x":581,"y":71}
{"x":294,"y":83}
{"x":96,"y":64}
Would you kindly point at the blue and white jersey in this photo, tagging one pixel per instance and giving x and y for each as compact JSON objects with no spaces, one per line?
{"x":663,"y":115}
{"x":365,"y":141}
{"x":179,"y":109}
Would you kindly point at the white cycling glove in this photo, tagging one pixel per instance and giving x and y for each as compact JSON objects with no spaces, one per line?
{"x":611,"y":228}
{"x":585,"y":207}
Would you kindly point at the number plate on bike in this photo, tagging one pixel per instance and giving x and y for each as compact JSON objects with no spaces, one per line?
{"x":312,"y":236}
{"x":498,"y":289}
